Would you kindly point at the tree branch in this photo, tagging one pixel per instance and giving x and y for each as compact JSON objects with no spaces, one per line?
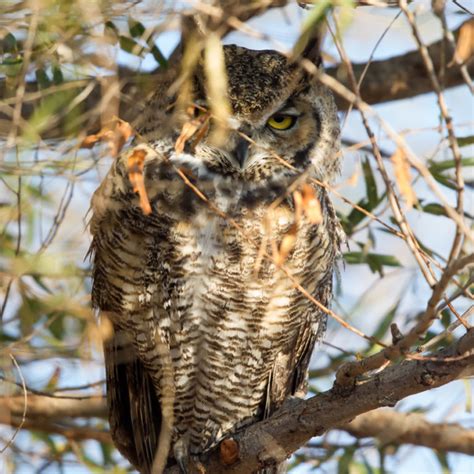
{"x":391,"y":427}
{"x":402,"y":77}
{"x":76,"y":433}
{"x":52,"y":408}
{"x":396,"y":78}
{"x":273,"y":440}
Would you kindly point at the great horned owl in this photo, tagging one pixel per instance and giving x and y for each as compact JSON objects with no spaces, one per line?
{"x":202,"y":322}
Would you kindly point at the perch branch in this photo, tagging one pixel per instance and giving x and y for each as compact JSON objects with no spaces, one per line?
{"x":391,"y":427}
{"x":273,"y":440}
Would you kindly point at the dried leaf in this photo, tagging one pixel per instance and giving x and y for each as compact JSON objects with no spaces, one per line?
{"x":116,"y":136}
{"x":354,"y":178}
{"x":298,"y":200}
{"x":195,"y":127}
{"x":465,"y":45}
{"x":403,"y":177}
{"x":229,"y":451}
{"x":90,"y":140}
{"x":136,"y":164}
{"x":286,"y":246}
{"x":122,"y":132}
{"x":311,"y":205}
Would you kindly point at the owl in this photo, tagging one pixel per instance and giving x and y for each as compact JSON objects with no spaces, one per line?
{"x":210,"y":331}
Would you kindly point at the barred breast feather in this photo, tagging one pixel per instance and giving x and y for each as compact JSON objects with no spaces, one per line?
{"x":239,"y":342}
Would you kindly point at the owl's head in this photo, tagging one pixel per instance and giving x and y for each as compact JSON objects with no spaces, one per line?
{"x":283,"y":122}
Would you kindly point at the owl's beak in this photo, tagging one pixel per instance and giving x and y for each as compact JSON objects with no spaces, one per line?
{"x":241,"y":151}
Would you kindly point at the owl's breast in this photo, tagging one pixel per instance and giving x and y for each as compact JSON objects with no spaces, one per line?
{"x":231,"y":313}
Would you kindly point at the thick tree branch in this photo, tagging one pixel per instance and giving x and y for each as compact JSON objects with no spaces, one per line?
{"x":404,"y":76}
{"x":51,"y":408}
{"x":395,"y":78}
{"x":347,"y":373}
{"x":273,"y":440}
{"x":391,"y":427}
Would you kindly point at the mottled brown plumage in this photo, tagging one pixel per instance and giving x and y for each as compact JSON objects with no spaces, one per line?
{"x":201,"y":334}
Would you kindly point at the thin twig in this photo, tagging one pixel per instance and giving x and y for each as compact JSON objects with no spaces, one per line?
{"x":25,"y":405}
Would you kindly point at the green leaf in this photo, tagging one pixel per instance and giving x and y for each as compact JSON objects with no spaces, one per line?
{"x":58,"y":77}
{"x":443,"y":461}
{"x":4,"y":337}
{"x":158,"y":55}
{"x":130,"y":46}
{"x":110,"y":25}
{"x":10,"y":44}
{"x":464,"y":141}
{"x":360,"y":257}
{"x":370,"y":184}
{"x":345,"y":461}
{"x":38,"y":280}
{"x":29,"y":312}
{"x":315,"y":16}
{"x":135,"y":28}
{"x":46,"y":114}
{"x":11,"y":66}
{"x":444,"y":180}
{"x":386,"y":321}
{"x":434,"y":208}
{"x":439,"y":166}
{"x":375,"y":261}
{"x":445,"y":318}
{"x":57,"y":326}
{"x":439,"y":210}
{"x":356,"y":216}
{"x":42,"y":78}
{"x":107,"y":451}
{"x":111,"y":32}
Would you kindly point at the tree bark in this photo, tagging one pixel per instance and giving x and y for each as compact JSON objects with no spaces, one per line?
{"x":271,"y":441}
{"x":396,"y":78}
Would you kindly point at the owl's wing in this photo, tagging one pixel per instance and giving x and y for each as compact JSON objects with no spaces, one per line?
{"x":134,"y":410}
{"x":289,"y":373}
{"x":288,"y":376}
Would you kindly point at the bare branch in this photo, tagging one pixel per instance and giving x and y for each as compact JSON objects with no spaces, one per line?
{"x":271,"y":441}
{"x":40,"y":407}
{"x":386,"y":80}
{"x":411,"y":428}
{"x":346,"y":374}
{"x":403,"y":76}
{"x":76,"y":433}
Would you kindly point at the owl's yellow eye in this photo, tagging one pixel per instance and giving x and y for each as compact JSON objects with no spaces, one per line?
{"x":281,"y":121}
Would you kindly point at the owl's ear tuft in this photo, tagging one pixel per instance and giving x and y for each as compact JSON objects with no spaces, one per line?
{"x":312,"y":50}
{"x":308,"y":45}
